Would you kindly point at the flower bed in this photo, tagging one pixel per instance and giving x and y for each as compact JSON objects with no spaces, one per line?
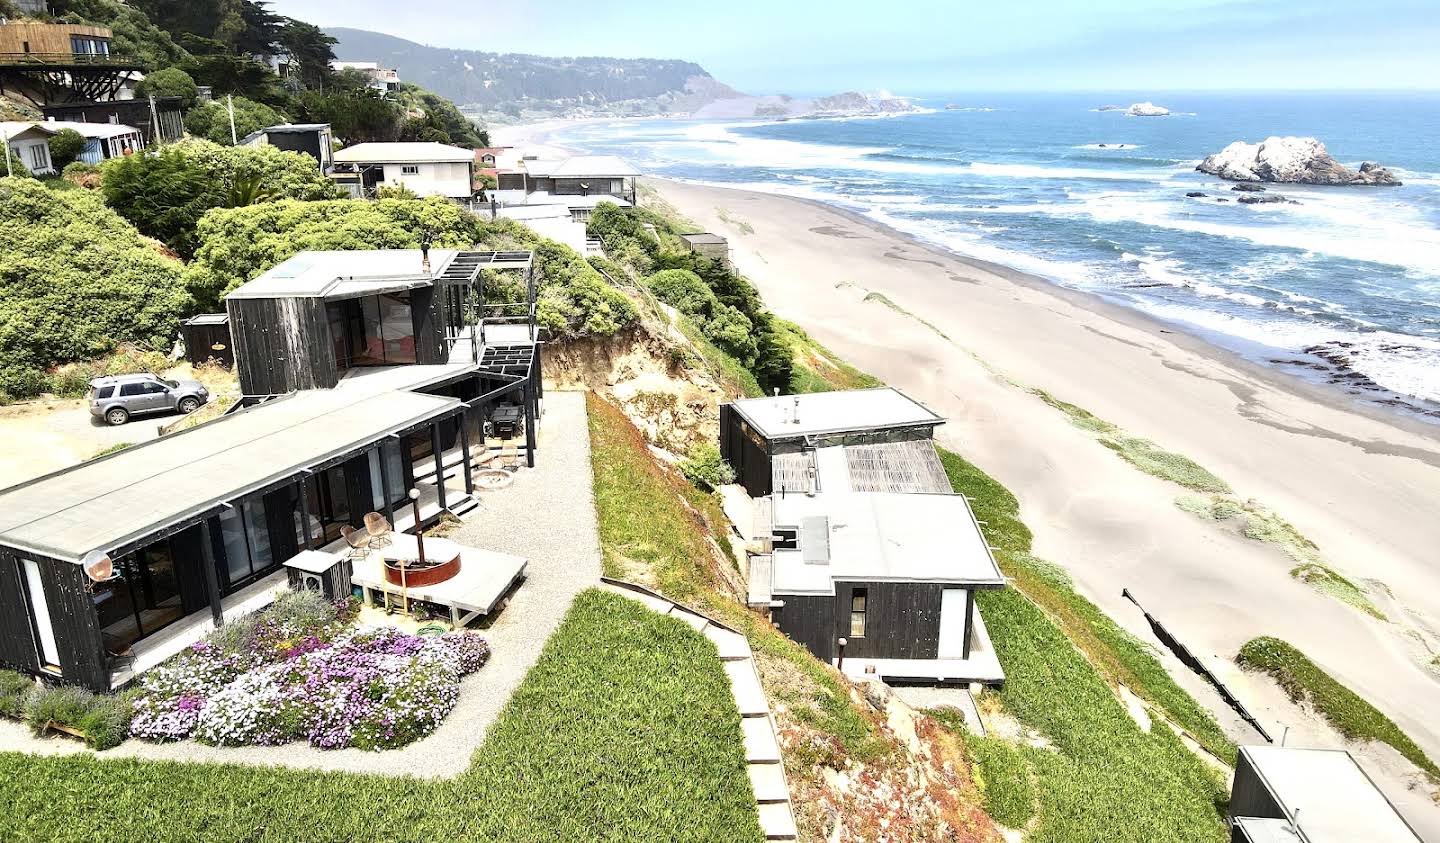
{"x":302,"y":670}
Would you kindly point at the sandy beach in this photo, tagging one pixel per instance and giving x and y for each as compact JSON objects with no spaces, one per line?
{"x":1361,"y":483}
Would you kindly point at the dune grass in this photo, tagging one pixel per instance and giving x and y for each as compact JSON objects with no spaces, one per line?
{"x":1104,"y":778}
{"x":623,"y":730}
{"x":818,"y":369}
{"x":1342,"y":708}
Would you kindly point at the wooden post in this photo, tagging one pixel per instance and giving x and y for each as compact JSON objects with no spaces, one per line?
{"x":212,"y":576}
{"x":439,"y":463}
{"x":465,"y":450}
{"x":969,"y":621}
{"x":528,"y":395}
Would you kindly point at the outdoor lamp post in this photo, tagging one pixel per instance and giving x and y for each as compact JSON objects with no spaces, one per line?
{"x":840,"y":662}
{"x":419,"y":548}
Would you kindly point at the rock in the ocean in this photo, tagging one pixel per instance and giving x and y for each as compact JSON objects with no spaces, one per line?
{"x":1249,"y":199}
{"x":1289,"y":160}
{"x":1111,"y":108}
{"x":1194,"y":194}
{"x":1250,"y":186}
{"x":1147,"y":109}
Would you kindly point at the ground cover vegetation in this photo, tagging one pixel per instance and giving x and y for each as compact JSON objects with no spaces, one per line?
{"x":732,"y":316}
{"x":63,"y":254}
{"x":101,"y":720}
{"x":642,"y":744}
{"x":1309,"y":685}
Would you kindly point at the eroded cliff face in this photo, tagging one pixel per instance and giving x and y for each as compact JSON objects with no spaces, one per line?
{"x":1290,"y":160}
{"x":672,"y":399}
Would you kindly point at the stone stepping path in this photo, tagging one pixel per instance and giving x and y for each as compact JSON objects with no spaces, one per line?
{"x":757,"y":725}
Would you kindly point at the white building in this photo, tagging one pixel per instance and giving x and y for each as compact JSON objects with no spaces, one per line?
{"x":428,"y":169}
{"x":28,"y":144}
{"x":382,"y":79}
{"x":102,"y":140}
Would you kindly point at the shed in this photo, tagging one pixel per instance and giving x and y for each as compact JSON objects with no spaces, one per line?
{"x":712,"y":246}
{"x":1310,"y":796}
{"x":207,"y":337}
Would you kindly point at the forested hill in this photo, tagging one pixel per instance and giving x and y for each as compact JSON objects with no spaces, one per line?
{"x":482,"y":80}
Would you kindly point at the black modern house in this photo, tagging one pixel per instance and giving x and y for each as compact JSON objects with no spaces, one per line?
{"x":861,"y":551}
{"x":366,"y":374}
{"x":1286,"y":794}
{"x":313,"y":139}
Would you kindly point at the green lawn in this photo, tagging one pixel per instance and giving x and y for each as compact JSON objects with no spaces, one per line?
{"x":624,"y":730}
{"x":1347,"y":711}
{"x":1103,"y":778}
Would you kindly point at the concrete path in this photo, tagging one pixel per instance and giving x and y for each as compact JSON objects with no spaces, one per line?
{"x":546,"y":516}
{"x":757,"y":725}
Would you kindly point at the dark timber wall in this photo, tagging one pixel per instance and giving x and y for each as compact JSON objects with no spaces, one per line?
{"x":17,"y":645}
{"x":902,"y":620}
{"x":282,"y":345}
{"x":809,"y":621}
{"x":744,"y":454}
{"x":1249,"y":797}
{"x":77,"y":628}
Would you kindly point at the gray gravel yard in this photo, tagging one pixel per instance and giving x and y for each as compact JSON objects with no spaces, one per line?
{"x":546,"y":516}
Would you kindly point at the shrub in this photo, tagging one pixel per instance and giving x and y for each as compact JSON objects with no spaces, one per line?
{"x":15,"y":687}
{"x":103,"y":719}
{"x":170,"y":82}
{"x":706,"y":469}
{"x":734,"y":333}
{"x":396,"y":191}
{"x":211,"y":120}
{"x":82,"y":174}
{"x":65,"y":145}
{"x":683,"y":290}
{"x":76,"y":281}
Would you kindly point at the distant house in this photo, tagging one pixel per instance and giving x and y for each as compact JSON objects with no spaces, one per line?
{"x":102,"y":140}
{"x":29,"y":144}
{"x":860,"y":550}
{"x":537,"y":181}
{"x":382,"y":79}
{"x":314,"y":139}
{"x":163,"y":124}
{"x":712,"y":246}
{"x":488,"y":157}
{"x":428,"y":169}
{"x":1290,"y":795}
{"x":47,"y":62}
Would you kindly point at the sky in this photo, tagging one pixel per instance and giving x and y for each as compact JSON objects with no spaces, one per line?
{"x":931,"y":46}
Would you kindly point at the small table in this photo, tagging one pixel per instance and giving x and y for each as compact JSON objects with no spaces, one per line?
{"x":506,"y":420}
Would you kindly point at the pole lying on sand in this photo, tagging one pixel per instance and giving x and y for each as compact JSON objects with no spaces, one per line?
{"x":1188,"y":659}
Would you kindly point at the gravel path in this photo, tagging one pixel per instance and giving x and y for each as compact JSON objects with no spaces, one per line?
{"x":546,"y":516}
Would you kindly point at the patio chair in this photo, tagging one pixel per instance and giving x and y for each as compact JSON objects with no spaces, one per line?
{"x":358,"y":540}
{"x":510,"y":455}
{"x":378,"y":528}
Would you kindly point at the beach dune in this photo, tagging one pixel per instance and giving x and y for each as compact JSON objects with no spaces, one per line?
{"x":1361,"y":483}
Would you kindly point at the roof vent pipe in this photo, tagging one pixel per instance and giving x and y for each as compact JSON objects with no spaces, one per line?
{"x":797,"y":409}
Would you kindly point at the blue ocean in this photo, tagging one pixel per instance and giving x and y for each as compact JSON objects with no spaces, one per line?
{"x":1343,"y":286}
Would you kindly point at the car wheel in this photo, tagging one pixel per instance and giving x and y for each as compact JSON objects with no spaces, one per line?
{"x":117,"y":416}
{"x":189,"y":405}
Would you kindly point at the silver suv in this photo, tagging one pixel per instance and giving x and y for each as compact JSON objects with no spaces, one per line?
{"x":116,"y":399}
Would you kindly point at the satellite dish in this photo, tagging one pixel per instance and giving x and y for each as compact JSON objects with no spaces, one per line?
{"x":98,"y":566}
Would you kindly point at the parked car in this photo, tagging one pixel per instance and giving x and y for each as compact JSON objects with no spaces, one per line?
{"x":115,"y":399}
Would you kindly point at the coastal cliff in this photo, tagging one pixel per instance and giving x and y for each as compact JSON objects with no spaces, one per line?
{"x":1290,"y":160}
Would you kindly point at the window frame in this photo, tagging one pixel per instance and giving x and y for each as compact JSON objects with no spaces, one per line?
{"x":862,"y":595}
{"x":409,"y":169}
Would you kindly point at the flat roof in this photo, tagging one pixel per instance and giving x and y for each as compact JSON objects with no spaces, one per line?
{"x":92,"y":130}
{"x":345,"y":274}
{"x":703,"y":237}
{"x":285,"y":129}
{"x":109,"y":502}
{"x":1337,"y":802}
{"x":427,"y":152}
{"x":847,"y":411}
{"x":580,"y":166}
{"x":874,"y":536}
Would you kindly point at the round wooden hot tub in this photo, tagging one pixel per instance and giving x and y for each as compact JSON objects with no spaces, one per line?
{"x":435,"y":570}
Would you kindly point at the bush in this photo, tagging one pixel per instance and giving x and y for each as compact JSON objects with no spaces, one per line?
{"x":706,"y":469}
{"x":170,"y":82}
{"x":73,"y":379}
{"x":729,"y":329}
{"x":166,"y":194}
{"x":211,"y":120}
{"x":103,"y":719}
{"x":15,"y":688}
{"x":76,"y":281}
{"x":65,"y":145}
{"x":82,"y":174}
{"x":684,"y":291}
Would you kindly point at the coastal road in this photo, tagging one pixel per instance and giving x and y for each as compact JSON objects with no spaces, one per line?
{"x":1361,"y":483}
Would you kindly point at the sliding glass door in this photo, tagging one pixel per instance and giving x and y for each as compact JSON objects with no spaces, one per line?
{"x":142,"y":599}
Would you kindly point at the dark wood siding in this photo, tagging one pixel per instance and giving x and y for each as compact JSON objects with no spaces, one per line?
{"x":281,"y":345}
{"x":77,"y":629}
{"x":902,"y":620}
{"x":208,"y":341}
{"x":809,"y":621}
{"x":17,"y":645}
{"x":1249,"y":797}
{"x":747,"y":457}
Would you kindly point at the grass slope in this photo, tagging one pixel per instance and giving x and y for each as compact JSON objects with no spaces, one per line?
{"x":817,"y":368}
{"x":1105,"y":778}
{"x":1307,"y":684}
{"x":624,"y":730}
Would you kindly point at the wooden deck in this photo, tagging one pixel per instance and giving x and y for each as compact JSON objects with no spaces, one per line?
{"x":485,"y":578}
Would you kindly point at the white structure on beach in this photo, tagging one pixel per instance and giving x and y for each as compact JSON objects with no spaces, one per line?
{"x":428,"y":169}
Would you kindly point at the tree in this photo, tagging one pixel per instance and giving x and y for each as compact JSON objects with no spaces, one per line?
{"x":310,"y":51}
{"x":166,"y":194}
{"x":170,"y":82}
{"x":65,"y":146}
{"x":440,"y":116}
{"x":684,"y":291}
{"x":75,"y":281}
{"x":211,"y":120}
{"x":355,"y":115}
{"x":247,"y":190}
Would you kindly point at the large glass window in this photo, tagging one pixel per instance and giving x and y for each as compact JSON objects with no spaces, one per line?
{"x":331,"y":502}
{"x":394,"y":472}
{"x":372,"y":331}
{"x":142,"y":599}
{"x":857,"y":613}
{"x":40,"y":613}
{"x":237,"y":550}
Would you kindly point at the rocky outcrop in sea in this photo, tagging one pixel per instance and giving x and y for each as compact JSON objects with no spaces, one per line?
{"x":1290,"y":160}
{"x":1147,"y":109}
